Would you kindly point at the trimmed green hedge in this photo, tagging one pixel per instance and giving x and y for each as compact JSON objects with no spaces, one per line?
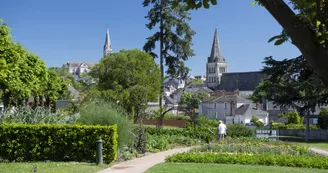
{"x":320,"y":162}
{"x":202,"y":134}
{"x":20,"y":142}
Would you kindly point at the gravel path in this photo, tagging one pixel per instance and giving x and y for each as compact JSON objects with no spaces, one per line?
{"x":140,"y":165}
{"x":320,"y":151}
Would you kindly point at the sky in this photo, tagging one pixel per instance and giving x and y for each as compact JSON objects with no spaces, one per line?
{"x":64,"y":31}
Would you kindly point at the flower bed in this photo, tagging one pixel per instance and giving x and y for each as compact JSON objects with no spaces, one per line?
{"x":255,"y":153}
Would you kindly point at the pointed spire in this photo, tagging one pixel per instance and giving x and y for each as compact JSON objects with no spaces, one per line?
{"x":216,"y":52}
{"x":108,"y":44}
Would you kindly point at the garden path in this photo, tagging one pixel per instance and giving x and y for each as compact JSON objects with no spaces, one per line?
{"x":140,"y":165}
{"x":320,"y":151}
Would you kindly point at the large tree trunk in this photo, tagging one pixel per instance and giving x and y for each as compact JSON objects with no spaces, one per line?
{"x":302,"y":36}
{"x":5,"y":99}
{"x":160,"y":123}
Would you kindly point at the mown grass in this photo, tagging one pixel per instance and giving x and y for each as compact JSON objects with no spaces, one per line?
{"x":51,"y":167}
{"x":320,"y":145}
{"x":225,"y":168}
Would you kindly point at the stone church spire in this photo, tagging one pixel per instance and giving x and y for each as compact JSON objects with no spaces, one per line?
{"x":216,"y":51}
{"x":216,"y":64}
{"x":108,"y":44}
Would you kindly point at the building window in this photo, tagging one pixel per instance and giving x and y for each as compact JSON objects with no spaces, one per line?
{"x":226,"y":105}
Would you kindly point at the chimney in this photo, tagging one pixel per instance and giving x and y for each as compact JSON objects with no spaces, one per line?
{"x":233,"y":108}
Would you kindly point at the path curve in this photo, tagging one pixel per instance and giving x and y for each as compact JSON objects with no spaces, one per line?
{"x":140,"y":165}
{"x":320,"y":151}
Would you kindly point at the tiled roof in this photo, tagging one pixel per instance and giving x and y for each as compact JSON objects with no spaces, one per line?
{"x":245,"y":81}
{"x":242,"y":109}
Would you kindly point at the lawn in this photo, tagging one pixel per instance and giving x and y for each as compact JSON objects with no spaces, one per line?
{"x":225,"y":168}
{"x":320,"y":145}
{"x":51,"y":167}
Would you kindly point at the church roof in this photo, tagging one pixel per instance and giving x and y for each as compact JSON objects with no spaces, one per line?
{"x":244,"y":81}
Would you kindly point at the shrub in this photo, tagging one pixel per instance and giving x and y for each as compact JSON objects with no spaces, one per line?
{"x":281,"y":126}
{"x":239,"y":130}
{"x":320,"y":162}
{"x":95,"y":113}
{"x":198,"y":134}
{"x":205,"y":122}
{"x":175,"y":117}
{"x":56,"y":142}
{"x":256,"y":148}
{"x":140,"y":139}
{"x":39,"y":115}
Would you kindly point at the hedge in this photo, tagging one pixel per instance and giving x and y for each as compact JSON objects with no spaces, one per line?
{"x":319,"y":162}
{"x":203,"y":134}
{"x":233,"y":130}
{"x":20,"y":142}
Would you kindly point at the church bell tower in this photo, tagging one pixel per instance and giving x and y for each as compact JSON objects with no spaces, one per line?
{"x":216,"y":64}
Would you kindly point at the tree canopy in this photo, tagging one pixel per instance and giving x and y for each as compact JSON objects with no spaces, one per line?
{"x":129,"y":77}
{"x":291,"y":83}
{"x":22,"y":74}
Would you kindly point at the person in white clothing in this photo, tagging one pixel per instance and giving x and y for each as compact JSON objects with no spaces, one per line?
{"x":222,"y":130}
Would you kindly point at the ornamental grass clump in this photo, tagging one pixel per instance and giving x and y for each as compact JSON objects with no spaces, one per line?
{"x":107,"y":114}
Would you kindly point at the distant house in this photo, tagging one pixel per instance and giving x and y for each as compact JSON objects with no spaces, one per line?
{"x":78,"y":68}
{"x":232,"y":109}
{"x":174,"y":82}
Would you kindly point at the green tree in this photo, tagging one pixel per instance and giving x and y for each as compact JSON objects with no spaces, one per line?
{"x":121,"y":76}
{"x":22,"y":74}
{"x":68,"y":77}
{"x":54,"y":87}
{"x":174,"y":36}
{"x":197,"y":81}
{"x":323,"y":119}
{"x":304,"y":23}
{"x":291,"y":83}
{"x":294,"y":118}
{"x":190,"y":103}
{"x":258,"y":123}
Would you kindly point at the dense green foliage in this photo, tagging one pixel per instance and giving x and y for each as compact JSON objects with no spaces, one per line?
{"x":101,"y":113}
{"x":130,"y":78}
{"x":257,"y":122}
{"x":281,"y":126}
{"x":23,"y":75}
{"x":239,"y":130}
{"x":56,"y":142}
{"x":323,"y":119}
{"x":174,"y":34}
{"x":190,"y":103}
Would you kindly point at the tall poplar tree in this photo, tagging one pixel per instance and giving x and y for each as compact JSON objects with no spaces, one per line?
{"x":173,"y":34}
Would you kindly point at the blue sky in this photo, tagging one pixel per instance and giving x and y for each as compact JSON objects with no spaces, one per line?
{"x":74,"y":30}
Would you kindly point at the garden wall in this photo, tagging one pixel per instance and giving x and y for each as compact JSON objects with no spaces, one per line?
{"x":313,"y":134}
{"x":175,"y":123}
